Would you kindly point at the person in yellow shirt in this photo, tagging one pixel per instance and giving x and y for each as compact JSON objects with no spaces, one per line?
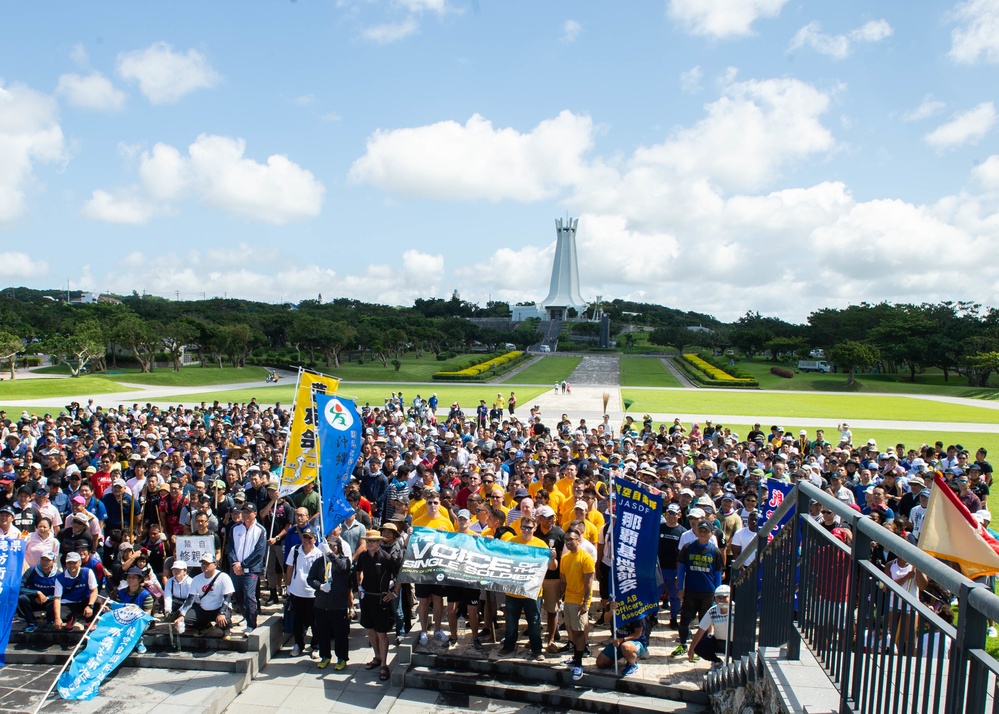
{"x":496,"y":500}
{"x":417,"y":502}
{"x":428,"y":593}
{"x":568,"y":480}
{"x":516,"y":604}
{"x":592,"y":514}
{"x":590,"y":531}
{"x":576,"y":575}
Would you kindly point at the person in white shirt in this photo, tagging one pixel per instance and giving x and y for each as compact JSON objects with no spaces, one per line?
{"x":177,"y":589}
{"x":744,"y":537}
{"x":209,"y":602}
{"x":303,"y":596}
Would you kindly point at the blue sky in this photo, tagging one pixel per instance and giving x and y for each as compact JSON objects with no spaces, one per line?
{"x":722,"y":156}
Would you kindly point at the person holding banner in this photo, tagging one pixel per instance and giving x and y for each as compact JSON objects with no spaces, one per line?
{"x":74,"y":595}
{"x":517,"y":604}
{"x":432,"y":593}
{"x":330,"y":577}
{"x":134,"y":594}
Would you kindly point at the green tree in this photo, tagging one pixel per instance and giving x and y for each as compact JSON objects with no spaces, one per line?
{"x":177,"y":335}
{"x":83,"y":343}
{"x":784,"y":345}
{"x":10,"y":346}
{"x":140,"y":337}
{"x":851,"y":355}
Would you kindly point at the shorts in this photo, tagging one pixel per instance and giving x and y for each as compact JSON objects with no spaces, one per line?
{"x":457,"y":595}
{"x":427,"y":589}
{"x":608,"y":652}
{"x":376,"y":615}
{"x":604,"y":578}
{"x":551,"y":593}
{"x":576,"y":616}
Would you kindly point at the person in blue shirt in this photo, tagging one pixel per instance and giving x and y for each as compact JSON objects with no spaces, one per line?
{"x":630,"y":643}
{"x":699,"y":574}
{"x":37,"y":590}
{"x":135,"y":594}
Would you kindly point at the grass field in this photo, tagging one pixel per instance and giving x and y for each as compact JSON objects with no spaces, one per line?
{"x":930,"y":383}
{"x":447,"y":393}
{"x":646,"y":372}
{"x":411,"y":369}
{"x":546,"y":371}
{"x":835,"y":407}
{"x":13,"y":389}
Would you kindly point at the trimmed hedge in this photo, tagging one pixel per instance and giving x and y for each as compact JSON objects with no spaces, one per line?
{"x":488,"y":367}
{"x":781,"y":372}
{"x":690,"y":364}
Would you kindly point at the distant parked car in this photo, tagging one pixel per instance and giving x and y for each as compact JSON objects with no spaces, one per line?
{"x":544,"y":348}
{"x":509,"y":346}
{"x":808,"y":365}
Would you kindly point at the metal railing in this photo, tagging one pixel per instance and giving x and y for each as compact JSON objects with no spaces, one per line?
{"x":886,"y":647}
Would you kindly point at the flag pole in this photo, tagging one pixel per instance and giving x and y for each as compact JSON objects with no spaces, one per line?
{"x":319,"y":466}
{"x":86,"y":636}
{"x":613,"y":586}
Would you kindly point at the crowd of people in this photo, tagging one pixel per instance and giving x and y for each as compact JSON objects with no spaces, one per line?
{"x":102,"y":496}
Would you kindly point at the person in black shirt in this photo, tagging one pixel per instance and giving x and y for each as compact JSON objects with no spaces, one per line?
{"x":551,"y":587}
{"x":670,"y":530}
{"x":376,"y":569}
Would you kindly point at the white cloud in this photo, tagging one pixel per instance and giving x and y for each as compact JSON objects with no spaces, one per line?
{"x":79,"y":55}
{"x":977,"y":35}
{"x":690,"y":80}
{"x":570,"y":31}
{"x":29,"y":134}
{"x":93,"y":91}
{"x":249,"y":272}
{"x":216,"y":172}
{"x":986,"y":174}
{"x":164,"y":75}
{"x":722,"y":18}
{"x":839,"y":46}
{"x":21,"y":265}
{"x":967,"y":127}
{"x":926,"y":109}
{"x":438,"y":7}
{"x":450,"y":161}
{"x":390,"y":32}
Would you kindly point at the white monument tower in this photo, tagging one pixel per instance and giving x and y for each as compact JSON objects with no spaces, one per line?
{"x":563,"y":291}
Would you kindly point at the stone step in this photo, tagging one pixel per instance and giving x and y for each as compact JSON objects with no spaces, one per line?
{"x":553,"y":674}
{"x":582,"y":697}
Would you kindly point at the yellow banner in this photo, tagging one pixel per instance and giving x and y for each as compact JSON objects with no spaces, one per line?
{"x":301,"y":463}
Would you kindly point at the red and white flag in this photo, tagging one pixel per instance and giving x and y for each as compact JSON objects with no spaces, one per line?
{"x":952,"y":533}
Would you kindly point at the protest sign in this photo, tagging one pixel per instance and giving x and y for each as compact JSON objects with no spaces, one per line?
{"x":636,"y":550}
{"x":191,"y":548}
{"x":11,"y":564}
{"x":339,"y":446}
{"x":301,"y":463}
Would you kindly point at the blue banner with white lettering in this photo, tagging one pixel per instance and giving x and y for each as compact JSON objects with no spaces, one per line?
{"x":636,"y":574}
{"x":11,"y":565}
{"x":339,"y":447}
{"x":112,"y":639}
{"x":464,"y":560}
{"x":777,"y":491}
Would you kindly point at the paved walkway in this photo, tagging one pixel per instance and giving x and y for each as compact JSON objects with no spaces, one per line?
{"x":680,"y":376}
{"x":585,"y":401}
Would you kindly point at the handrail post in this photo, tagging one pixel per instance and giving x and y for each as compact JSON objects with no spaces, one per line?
{"x":853,"y":642}
{"x":800,"y":511}
{"x":970,"y":627}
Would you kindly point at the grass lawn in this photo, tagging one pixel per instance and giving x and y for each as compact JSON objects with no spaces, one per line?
{"x":835,"y":407}
{"x":932,"y":382}
{"x":646,"y":372}
{"x":467,"y":395}
{"x":412,"y":369}
{"x":546,"y":371}
{"x":12,"y":389}
{"x":192,"y":376}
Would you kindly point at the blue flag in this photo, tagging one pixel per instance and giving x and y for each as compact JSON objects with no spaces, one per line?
{"x":11,"y":565}
{"x":112,"y":640}
{"x":777,"y":491}
{"x":339,"y":447}
{"x":636,"y":550}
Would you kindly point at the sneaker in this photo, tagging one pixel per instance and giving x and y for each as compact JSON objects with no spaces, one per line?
{"x":248,"y":632}
{"x":630,"y":670}
{"x":506,"y":651}
{"x":451,"y":642}
{"x":680,"y":651}
{"x":31,"y":628}
{"x":577,"y":673}
{"x":716,"y":665}
{"x":694,"y":658}
{"x":586,"y":651}
{"x":569,"y":662}
{"x":296,"y":651}
{"x":78,"y":627}
{"x":423,"y":639}
{"x":341,"y":664}
{"x":440,"y":636}
{"x":538,"y":657}
{"x":324,"y":663}
{"x":141,"y":648}
{"x":477,"y":644}
{"x":567,"y":647}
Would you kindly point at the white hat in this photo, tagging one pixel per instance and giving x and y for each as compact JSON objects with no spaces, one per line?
{"x":695,"y":513}
{"x":546,"y":512}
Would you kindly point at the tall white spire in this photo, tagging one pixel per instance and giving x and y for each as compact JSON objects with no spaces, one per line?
{"x":563,"y":291}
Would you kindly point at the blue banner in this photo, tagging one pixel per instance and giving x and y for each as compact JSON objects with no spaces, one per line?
{"x":339,"y":446}
{"x":636,"y":576}
{"x":777,"y":491}
{"x":11,"y":565}
{"x":441,"y":557}
{"x":112,"y":639}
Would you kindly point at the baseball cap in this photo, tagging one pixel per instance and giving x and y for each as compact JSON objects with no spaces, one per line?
{"x":581,"y":504}
{"x":208,"y":557}
{"x":546,"y":512}
{"x":250,"y":506}
{"x":178,"y":565}
{"x":464,"y":513}
{"x":722,"y":590}
{"x":673,"y":508}
{"x":73,"y":557}
{"x":695,"y":513}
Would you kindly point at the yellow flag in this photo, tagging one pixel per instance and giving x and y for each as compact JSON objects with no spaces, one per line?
{"x":301,"y":464}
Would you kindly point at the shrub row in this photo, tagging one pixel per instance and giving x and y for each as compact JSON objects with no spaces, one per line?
{"x":722,"y":363}
{"x":492,"y":368}
{"x":781,"y":372}
{"x":477,"y":366}
{"x":710,"y":376}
